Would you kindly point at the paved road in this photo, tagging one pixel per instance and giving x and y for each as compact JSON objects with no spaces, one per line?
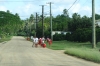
{"x":18,"y":52}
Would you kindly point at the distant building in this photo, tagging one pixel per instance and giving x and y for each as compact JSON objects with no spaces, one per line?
{"x":59,"y":32}
{"x":97,"y":23}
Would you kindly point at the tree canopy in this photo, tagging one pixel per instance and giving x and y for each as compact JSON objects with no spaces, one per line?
{"x":9,"y":23}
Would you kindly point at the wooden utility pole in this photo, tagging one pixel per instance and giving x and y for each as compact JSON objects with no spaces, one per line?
{"x":42,"y":20}
{"x":36,"y":25}
{"x":93,"y":25}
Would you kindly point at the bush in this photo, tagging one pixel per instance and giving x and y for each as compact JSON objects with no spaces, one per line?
{"x":83,"y":35}
{"x":68,"y":36}
{"x":47,"y":34}
{"x":97,"y":35}
{"x":21,"y":34}
{"x":58,"y":37}
{"x":80,"y":35}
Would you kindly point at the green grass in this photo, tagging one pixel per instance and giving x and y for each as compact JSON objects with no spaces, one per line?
{"x":62,"y":45}
{"x":81,"y":50}
{"x":85,"y":53}
{"x":5,"y":39}
{"x":58,"y":45}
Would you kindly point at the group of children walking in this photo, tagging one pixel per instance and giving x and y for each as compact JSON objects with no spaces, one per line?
{"x":40,"y":42}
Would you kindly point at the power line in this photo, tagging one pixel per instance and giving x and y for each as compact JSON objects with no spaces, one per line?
{"x":72,"y":4}
{"x":85,"y":2}
{"x":75,"y":5}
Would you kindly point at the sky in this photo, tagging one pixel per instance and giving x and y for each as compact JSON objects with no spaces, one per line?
{"x":27,"y":7}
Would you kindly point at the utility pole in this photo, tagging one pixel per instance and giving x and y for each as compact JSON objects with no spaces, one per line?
{"x":51,"y":19}
{"x":36,"y":25}
{"x":42,"y":20}
{"x":93,"y":25}
{"x":28,"y":27}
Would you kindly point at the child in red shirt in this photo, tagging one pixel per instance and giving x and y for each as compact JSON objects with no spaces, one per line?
{"x":49,"y":41}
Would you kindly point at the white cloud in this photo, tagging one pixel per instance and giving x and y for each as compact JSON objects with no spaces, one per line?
{"x":76,"y":8}
{"x":2,"y":8}
{"x":97,"y":10}
{"x":23,"y":9}
{"x":27,"y":8}
{"x":87,"y":8}
{"x":80,"y":9}
{"x":61,"y":1}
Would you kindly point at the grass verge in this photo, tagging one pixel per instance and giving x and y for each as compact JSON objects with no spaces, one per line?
{"x":5,"y":39}
{"x":84,"y":53}
{"x":81,"y":50}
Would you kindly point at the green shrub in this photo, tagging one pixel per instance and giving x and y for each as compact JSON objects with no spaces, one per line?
{"x":21,"y":34}
{"x":83,"y":35}
{"x":58,"y":37}
{"x":68,"y":36}
{"x":80,"y":35}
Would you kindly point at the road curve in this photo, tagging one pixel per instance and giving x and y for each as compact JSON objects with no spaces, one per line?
{"x":18,"y":52}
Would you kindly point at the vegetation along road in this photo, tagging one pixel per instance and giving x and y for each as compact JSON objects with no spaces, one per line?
{"x":18,"y":52}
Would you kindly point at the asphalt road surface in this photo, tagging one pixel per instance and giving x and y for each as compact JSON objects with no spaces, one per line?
{"x":19,"y":52}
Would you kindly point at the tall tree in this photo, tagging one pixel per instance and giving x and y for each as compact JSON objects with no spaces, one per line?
{"x":79,"y":22}
{"x":97,"y":16}
{"x":9,"y":23}
{"x":8,"y":11}
{"x":65,"y":13}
